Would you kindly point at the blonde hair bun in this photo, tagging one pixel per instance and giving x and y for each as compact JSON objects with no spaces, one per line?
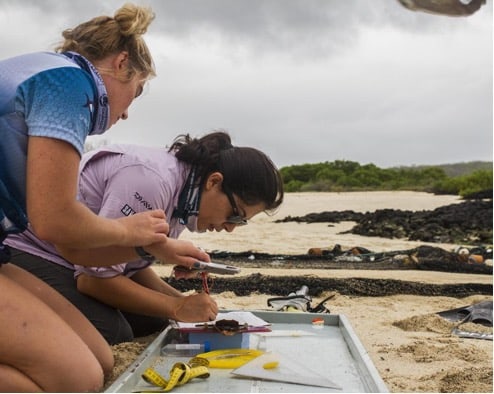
{"x":133,"y":19}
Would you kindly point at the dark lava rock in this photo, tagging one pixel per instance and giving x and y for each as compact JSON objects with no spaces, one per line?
{"x":469,"y":222}
{"x":323,"y":217}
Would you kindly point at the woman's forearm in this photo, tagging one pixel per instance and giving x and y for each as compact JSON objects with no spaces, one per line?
{"x":172,"y":251}
{"x":57,"y":217}
{"x":149,"y":278}
{"x":127,"y":295}
{"x":123,"y":293}
{"x":98,"y":257}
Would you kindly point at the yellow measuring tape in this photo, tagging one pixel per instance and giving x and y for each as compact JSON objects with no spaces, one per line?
{"x":228,"y":358}
{"x":197,"y":367}
{"x":180,"y":374}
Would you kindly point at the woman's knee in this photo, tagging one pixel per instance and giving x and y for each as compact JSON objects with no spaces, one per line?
{"x":12,"y":380}
{"x":39,"y":346}
{"x":88,"y":377}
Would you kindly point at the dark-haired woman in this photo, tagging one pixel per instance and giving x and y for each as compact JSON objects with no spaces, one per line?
{"x":203,"y":184}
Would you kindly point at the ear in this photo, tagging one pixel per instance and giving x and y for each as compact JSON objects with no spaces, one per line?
{"x":121,"y":61}
{"x":215,"y":179}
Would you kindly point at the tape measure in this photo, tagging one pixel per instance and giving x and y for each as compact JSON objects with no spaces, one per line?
{"x":228,"y":358}
{"x":154,"y":378}
{"x":180,"y":374}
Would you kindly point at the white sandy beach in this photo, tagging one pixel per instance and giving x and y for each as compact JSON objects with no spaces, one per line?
{"x":412,"y":348}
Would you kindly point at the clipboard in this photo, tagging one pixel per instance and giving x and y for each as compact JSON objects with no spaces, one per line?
{"x":248,"y":322}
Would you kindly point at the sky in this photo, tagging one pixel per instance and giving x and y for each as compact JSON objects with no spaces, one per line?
{"x":305,"y":81}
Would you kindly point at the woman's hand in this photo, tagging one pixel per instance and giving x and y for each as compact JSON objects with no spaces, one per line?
{"x":178,"y":252}
{"x":198,"y":307}
{"x":145,"y":228}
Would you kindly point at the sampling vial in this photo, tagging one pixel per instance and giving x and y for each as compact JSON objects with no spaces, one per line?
{"x":185,"y":349}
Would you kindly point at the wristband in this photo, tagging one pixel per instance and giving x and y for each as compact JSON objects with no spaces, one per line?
{"x":144,"y":255}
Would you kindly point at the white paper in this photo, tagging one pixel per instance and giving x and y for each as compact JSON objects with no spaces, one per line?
{"x":241,"y":316}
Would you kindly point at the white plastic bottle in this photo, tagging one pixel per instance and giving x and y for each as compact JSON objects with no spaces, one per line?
{"x":185,"y":349}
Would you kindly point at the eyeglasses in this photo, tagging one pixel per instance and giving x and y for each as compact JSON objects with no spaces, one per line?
{"x":236,"y":218}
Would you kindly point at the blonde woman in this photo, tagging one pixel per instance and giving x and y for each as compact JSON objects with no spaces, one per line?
{"x":49,"y":103}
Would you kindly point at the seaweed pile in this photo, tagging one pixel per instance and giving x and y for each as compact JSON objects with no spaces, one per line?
{"x":429,"y":258}
{"x":421,"y":258}
{"x":365,"y":287}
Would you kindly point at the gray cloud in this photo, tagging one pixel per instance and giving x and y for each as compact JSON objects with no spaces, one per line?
{"x":303,"y":80}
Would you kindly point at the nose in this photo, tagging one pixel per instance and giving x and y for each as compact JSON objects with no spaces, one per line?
{"x":124,"y":115}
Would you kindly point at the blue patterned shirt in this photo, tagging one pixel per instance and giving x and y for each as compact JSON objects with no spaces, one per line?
{"x":41,"y":94}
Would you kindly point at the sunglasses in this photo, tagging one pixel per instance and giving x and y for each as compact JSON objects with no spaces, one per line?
{"x":236,"y":218}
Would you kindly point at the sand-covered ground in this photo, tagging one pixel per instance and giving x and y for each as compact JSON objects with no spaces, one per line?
{"x":412,"y":347}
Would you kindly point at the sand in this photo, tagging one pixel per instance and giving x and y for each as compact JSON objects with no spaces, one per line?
{"x":412,"y":347}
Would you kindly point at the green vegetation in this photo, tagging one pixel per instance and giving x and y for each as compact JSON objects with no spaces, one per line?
{"x":466,"y":185}
{"x":458,"y":169}
{"x":342,"y":175}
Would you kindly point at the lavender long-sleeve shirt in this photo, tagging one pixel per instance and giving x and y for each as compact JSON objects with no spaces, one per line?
{"x":116,"y":181}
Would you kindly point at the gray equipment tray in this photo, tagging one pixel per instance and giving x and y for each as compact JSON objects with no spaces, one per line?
{"x":333,"y":352}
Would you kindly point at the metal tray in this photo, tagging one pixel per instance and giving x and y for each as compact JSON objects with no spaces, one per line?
{"x":334,"y":352}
